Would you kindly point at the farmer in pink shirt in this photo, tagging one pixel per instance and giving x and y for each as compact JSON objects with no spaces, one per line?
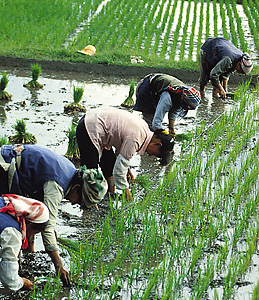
{"x":103,"y":128}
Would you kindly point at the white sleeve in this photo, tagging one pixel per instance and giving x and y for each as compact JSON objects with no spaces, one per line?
{"x":120,"y":172}
{"x":53,"y":195}
{"x":11,"y":242}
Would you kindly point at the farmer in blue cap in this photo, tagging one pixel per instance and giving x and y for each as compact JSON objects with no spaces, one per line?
{"x":158,"y":94}
{"x":219,"y":58}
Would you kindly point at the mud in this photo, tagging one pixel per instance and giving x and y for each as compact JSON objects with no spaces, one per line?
{"x":122,"y":72}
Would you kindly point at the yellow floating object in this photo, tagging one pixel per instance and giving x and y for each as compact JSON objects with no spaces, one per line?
{"x":88,"y":50}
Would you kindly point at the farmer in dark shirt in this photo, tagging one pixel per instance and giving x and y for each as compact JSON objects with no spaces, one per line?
{"x":218,"y":59}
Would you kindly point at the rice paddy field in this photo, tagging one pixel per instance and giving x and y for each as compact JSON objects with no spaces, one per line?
{"x":193,"y":232}
{"x":157,"y":32}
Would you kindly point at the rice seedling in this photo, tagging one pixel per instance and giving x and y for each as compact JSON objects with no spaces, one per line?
{"x":4,"y":141}
{"x":3,"y":83}
{"x":72,"y":153}
{"x":75,"y":106}
{"x":34,"y":84}
{"x":129,"y":102}
{"x":22,"y":136}
{"x":144,"y":181}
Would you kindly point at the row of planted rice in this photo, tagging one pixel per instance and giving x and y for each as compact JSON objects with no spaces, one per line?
{"x":155,"y":30}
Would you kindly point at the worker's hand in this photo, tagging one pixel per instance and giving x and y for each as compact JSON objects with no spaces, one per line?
{"x":60,"y":270}
{"x":64,"y":275}
{"x":128,"y":194}
{"x":222,"y":93}
{"x":27,"y":284}
{"x":130,"y":176}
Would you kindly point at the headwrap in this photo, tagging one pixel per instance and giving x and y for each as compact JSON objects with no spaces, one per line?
{"x":94,"y":186}
{"x":246,"y":63}
{"x":190,"y":96}
{"x":23,"y":208}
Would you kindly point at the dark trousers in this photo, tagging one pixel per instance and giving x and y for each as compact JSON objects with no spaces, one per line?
{"x":4,"y":189}
{"x":89,"y":155}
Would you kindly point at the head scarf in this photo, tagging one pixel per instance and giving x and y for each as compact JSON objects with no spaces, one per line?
{"x":190,"y":97}
{"x":246,"y":63}
{"x":22,"y":208}
{"x":94,"y":186}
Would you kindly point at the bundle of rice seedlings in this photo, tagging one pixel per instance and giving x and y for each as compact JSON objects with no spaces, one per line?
{"x":34,"y":84}
{"x":22,"y":136}
{"x":144,"y":181}
{"x":72,"y":149}
{"x":3,"y":83}
{"x":183,"y":137}
{"x":75,"y":106}
{"x":69,"y":245}
{"x":129,"y":102}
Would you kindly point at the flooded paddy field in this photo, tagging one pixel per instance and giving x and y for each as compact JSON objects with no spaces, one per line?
{"x":43,"y":111}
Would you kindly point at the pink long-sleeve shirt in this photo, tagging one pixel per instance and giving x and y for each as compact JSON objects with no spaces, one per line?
{"x":108,"y":127}
{"x":129,"y":134}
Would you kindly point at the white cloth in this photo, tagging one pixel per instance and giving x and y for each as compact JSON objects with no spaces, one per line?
{"x":10,"y":242}
{"x":120,"y":172}
{"x":53,"y":195}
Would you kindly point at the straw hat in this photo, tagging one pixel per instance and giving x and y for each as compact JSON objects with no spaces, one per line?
{"x":88,"y":50}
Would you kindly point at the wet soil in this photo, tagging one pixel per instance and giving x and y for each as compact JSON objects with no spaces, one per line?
{"x":110,"y":70}
{"x":43,"y":110}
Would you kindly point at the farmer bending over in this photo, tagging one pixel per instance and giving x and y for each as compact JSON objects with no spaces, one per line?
{"x":20,"y":218}
{"x":103,"y":128}
{"x":157,"y":94}
{"x":219,"y":58}
{"x":42,"y":174}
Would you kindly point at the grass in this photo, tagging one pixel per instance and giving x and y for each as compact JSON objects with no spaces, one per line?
{"x":119,"y":30}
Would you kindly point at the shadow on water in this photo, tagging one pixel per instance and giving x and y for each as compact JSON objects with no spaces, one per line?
{"x":45,"y":118}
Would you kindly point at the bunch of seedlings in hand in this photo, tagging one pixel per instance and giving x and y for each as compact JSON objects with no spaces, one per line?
{"x":129,"y":102}
{"x":75,"y":106}
{"x":3,"y":83}
{"x":72,"y":150}
{"x":34,"y":84}
{"x":22,"y":136}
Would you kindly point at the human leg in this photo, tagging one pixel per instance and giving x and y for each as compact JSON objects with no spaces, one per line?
{"x":107,"y":162}
{"x":88,"y":153}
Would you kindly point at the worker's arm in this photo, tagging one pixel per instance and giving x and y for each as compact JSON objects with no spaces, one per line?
{"x":120,"y":175}
{"x":221,"y":71}
{"x":11,"y":242}
{"x":171,"y":126}
{"x":164,"y":105}
{"x":53,"y":195}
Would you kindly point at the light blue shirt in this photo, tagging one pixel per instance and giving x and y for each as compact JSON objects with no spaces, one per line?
{"x":164,"y":105}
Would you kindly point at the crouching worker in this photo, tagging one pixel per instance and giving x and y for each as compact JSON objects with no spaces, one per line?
{"x":219,"y":58}
{"x":102,"y":129}
{"x":20,"y":217}
{"x":158,"y":94}
{"x":42,"y":174}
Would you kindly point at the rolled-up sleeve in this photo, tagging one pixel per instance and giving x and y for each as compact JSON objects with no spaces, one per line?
{"x":222,"y":69}
{"x":53,"y":195}
{"x":120,"y":172}
{"x":11,"y":242}
{"x":164,"y":105}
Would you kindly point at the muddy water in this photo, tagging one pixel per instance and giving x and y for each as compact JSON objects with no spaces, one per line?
{"x":43,"y":112}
